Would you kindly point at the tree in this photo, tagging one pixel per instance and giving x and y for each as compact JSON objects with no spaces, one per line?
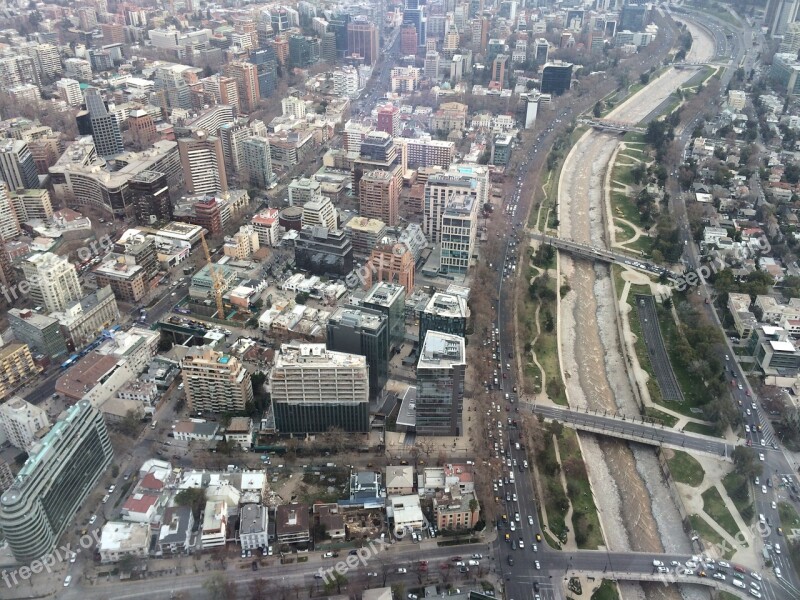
{"x":130,"y":424}
{"x":745,"y":462}
{"x":473,"y":507}
{"x":195,"y":498}
{"x":597,"y":111}
{"x":219,"y":588}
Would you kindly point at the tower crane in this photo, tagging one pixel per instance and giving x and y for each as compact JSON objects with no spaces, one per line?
{"x":216,"y":279}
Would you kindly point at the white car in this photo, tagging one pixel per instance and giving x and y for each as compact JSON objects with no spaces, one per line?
{"x":67,"y":580}
{"x":537,"y":565}
{"x":402,"y":570}
{"x":521,"y":543}
{"x":719,"y":576}
{"x":761,"y":457}
{"x":516,"y":515}
{"x":530,"y":520}
{"x":657,"y":563}
{"x":73,"y":557}
{"x":756,"y":576}
{"x":93,"y":519}
{"x":473,"y":563}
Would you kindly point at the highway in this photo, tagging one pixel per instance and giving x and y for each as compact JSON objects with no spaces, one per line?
{"x":656,"y":350}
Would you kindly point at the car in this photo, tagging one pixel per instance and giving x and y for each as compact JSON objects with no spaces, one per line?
{"x":777,"y":548}
{"x":413,"y":597}
{"x":402,"y":570}
{"x":756,"y":576}
{"x":463,"y":569}
{"x":67,"y":580}
{"x":317,"y":576}
{"x":763,"y":489}
{"x":535,"y":548}
{"x":719,"y":576}
{"x":73,"y":557}
{"x":477,"y":556}
{"x":761,"y":458}
{"x":254,"y":565}
{"x":657,"y":563}
{"x":724,"y":564}
{"x":530,"y":520}
{"x":473,"y":563}
{"x":778,"y":573}
{"x":755,"y":593}
{"x":779,"y":530}
{"x":538,"y":537}
{"x":328,"y":555}
{"x":757,"y":481}
{"x":372,"y":574}
{"x":92,"y":519}
{"x":537,"y":566}
{"x":111,"y":489}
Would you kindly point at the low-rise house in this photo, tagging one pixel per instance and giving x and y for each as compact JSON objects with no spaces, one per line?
{"x":240,"y":432}
{"x":253,"y":526}
{"x":330,"y":517}
{"x":175,"y":534}
{"x":399,"y":480}
{"x":406,"y":513}
{"x":452,"y":510}
{"x":292,"y":524}
{"x":120,"y":539}
{"x":196,"y":430}
{"x":215,"y":524}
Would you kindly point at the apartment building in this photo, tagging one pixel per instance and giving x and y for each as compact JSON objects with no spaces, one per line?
{"x":459,"y":230}
{"x":314,"y":389}
{"x":53,"y":281}
{"x":203,"y":163}
{"x":126,"y":278}
{"x":215,"y":382}
{"x":22,"y":422}
{"x":440,"y":384}
{"x":61,"y":471}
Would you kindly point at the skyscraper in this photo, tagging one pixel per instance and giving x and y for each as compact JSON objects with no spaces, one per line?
{"x":246,"y":77}
{"x":389,"y":299}
{"x":150,"y":196}
{"x":53,"y":281}
{"x":59,"y":474}
{"x":440,"y":384}
{"x":257,"y":161}
{"x":106,"y":132}
{"x":379,"y":196}
{"x":17,"y":167}
{"x":362,"y":40}
{"x":203,"y":163}
{"x":556,"y":77}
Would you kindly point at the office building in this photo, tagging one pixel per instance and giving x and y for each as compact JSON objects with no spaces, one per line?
{"x":142,"y":128}
{"x":315,"y":390}
{"x":362,"y":331}
{"x":60,"y":473}
{"x":304,"y":51}
{"x":541,"y":49}
{"x":17,"y":167}
{"x":322,"y":251}
{"x":203,"y":163}
{"x":379,"y":196}
{"x":83,"y":321}
{"x":556,"y":78}
{"x":365,"y":234}
{"x":408,"y":40}
{"x":126,"y":278}
{"x":393,"y":263}
{"x":458,"y":233}
{"x":149,"y":192}
{"x":106,"y":131}
{"x":633,"y":17}
{"x":378,"y":151}
{"x":40,"y":332}
{"x":362,"y":41}
{"x":440,"y":384}
{"x":319,"y":212}
{"x":501,"y":149}
{"x":257,"y":162}
{"x":53,"y":281}
{"x":389,"y":119}
{"x":22,"y":421}
{"x":498,"y":75}
{"x":9,"y":217}
{"x":70,"y":91}
{"x":440,"y":187}
{"x":215,"y":382}
{"x":32,"y":204}
{"x":445,"y":313}
{"x":427,"y":152}
{"x":389,"y":299}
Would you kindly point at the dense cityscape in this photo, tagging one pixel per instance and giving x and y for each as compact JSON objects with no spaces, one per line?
{"x":398,"y":299}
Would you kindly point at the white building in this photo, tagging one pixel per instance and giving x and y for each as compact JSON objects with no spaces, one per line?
{"x":21,"y":422}
{"x":70,"y":91}
{"x":345,"y":82}
{"x":120,"y":539}
{"x":253,"y":527}
{"x":293,"y":107}
{"x":215,"y":524}
{"x":406,"y":513}
{"x":459,"y":229}
{"x":319,"y":212}
{"x":53,"y":280}
{"x":267,"y":226}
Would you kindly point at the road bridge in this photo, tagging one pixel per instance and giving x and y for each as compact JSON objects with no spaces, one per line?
{"x":666,"y":578}
{"x":609,"y":125}
{"x":634,"y":429}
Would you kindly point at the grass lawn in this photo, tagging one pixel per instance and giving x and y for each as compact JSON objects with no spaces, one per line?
{"x":606,"y":591}
{"x":685,"y":468}
{"x":744,"y":506}
{"x":700,"y":428}
{"x":661,"y":417}
{"x":695,"y":395}
{"x":585,"y":520}
{"x":623,"y":206}
{"x":623,"y":231}
{"x":643,"y":244}
{"x":634,"y":137}
{"x":788,"y":516}
{"x":705,"y":531}
{"x":721,"y":595}
{"x":715,"y":507}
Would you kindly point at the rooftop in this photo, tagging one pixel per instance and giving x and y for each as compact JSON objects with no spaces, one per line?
{"x":441,"y":350}
{"x":316,"y":355}
{"x":447,"y":305}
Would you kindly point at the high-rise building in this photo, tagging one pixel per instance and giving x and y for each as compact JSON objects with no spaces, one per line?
{"x":389,"y":299}
{"x":9,"y":217}
{"x":320,"y":212}
{"x":106,"y":131}
{"x":142,"y":128}
{"x":246,"y":76}
{"x":53,"y":281}
{"x":61,"y":471}
{"x":458,"y":233}
{"x":203,"y":163}
{"x":257,"y":162}
{"x":440,"y":187}
{"x":362,"y":331}
{"x":362,"y":40}
{"x":346,"y":82}
{"x":427,"y":152}
{"x":70,"y":91}
{"x":150,"y":196}
{"x":389,"y":119}
{"x":215,"y":382}
{"x":303,"y":51}
{"x":430,"y":68}
{"x":40,"y":332}
{"x":21,"y":421}
{"x":16,"y":368}
{"x":232,"y":136}
{"x":541,"y":48}
{"x":315,"y":390}
{"x":408,"y":40}
{"x":32,"y":204}
{"x":378,"y":151}
{"x":440,"y":384}
{"x":379,"y":196}
{"x":445,"y":312}
{"x":393,"y":263}
{"x":556,"y":77}
{"x":322,"y":251}
{"x":498,"y":75}
{"x":17,"y":167}
{"x":633,"y":16}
